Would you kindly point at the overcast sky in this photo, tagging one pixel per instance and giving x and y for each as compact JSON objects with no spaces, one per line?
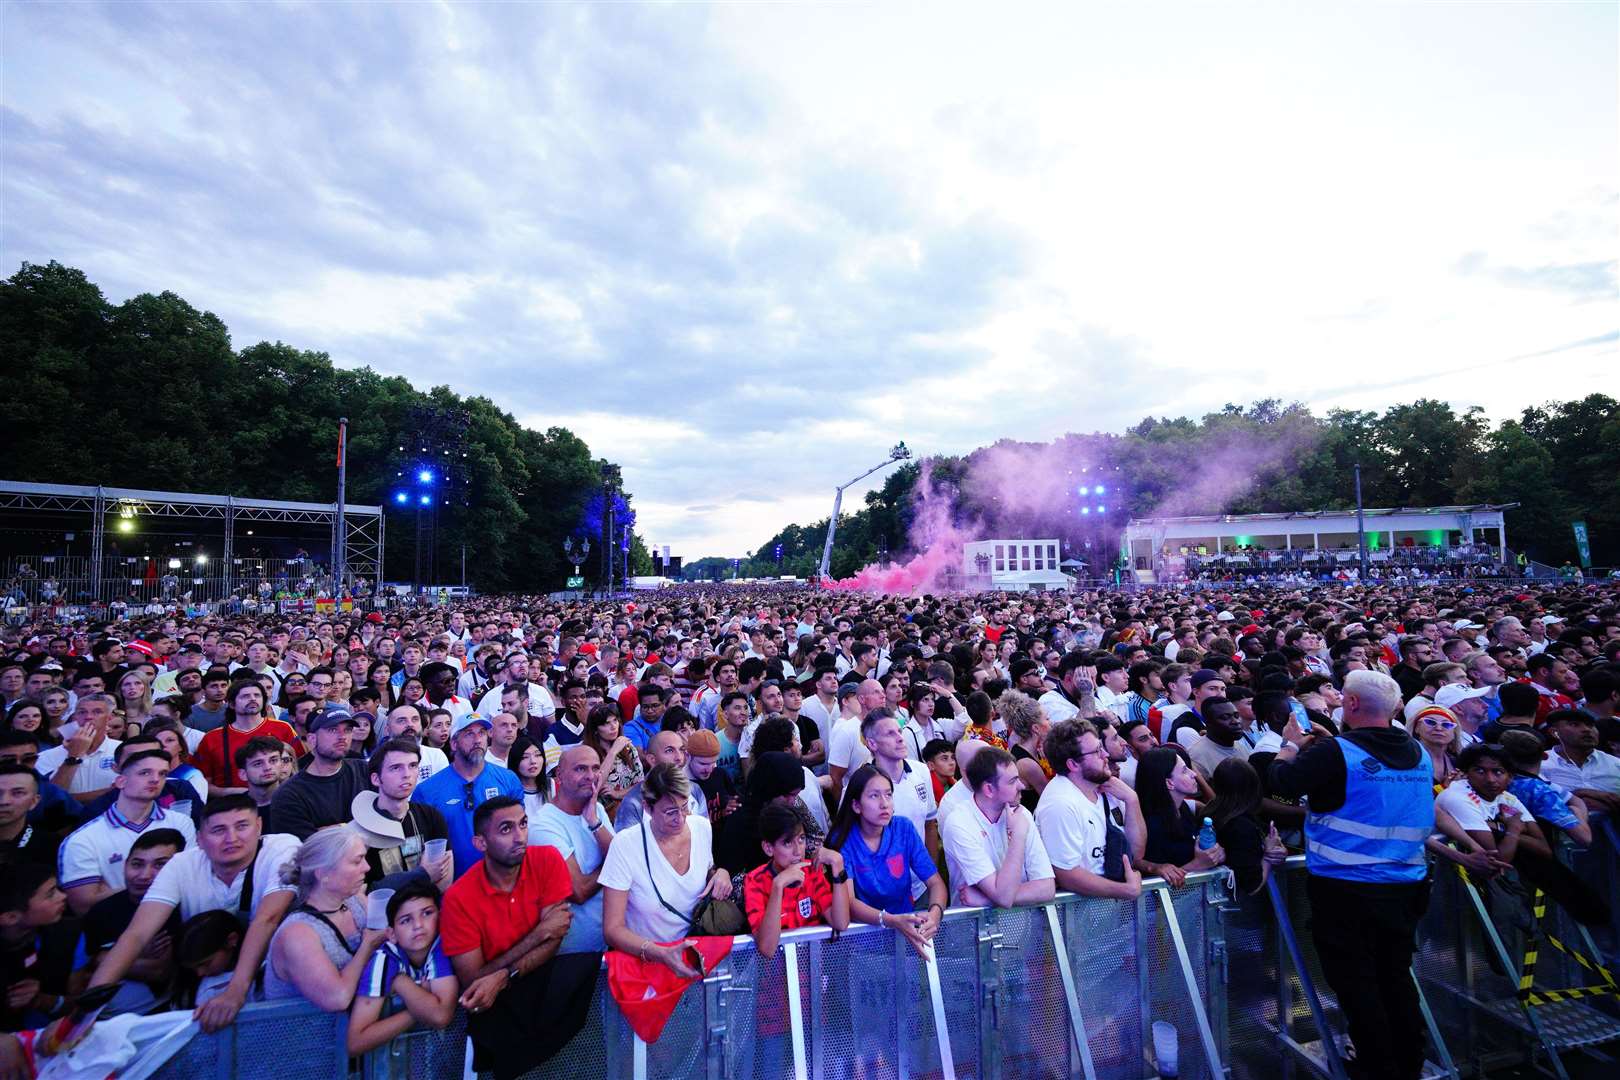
{"x":742,"y":250}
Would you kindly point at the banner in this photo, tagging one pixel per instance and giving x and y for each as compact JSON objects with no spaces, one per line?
{"x":1582,"y":544}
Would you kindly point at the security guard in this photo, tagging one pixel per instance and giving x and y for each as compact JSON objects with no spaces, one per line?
{"x":1371,"y":807}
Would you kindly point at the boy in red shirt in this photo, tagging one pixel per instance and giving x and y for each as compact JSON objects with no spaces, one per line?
{"x":785,"y":894}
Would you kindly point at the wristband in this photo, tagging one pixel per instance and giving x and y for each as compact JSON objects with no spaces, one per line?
{"x":941,"y":907}
{"x":70,"y":760}
{"x":881,"y":913}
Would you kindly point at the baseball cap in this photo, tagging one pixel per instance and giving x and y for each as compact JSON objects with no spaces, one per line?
{"x":374,"y":617}
{"x":703,"y":744}
{"x":325,"y":718}
{"x":1224,"y":616}
{"x":467,"y":720}
{"x":1548,"y":620}
{"x":1447,"y":696}
{"x":1204,"y":675}
{"x":1464,"y":624}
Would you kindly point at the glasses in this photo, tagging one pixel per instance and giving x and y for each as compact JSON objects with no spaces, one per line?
{"x":1434,"y":721}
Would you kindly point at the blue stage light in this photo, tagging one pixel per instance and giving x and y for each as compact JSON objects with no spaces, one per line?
{"x":427,"y":500}
{"x":401,"y":497}
{"x":425,"y":476}
{"x":1085,"y":509}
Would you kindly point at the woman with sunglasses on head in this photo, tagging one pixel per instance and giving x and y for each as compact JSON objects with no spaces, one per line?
{"x":295,"y":684}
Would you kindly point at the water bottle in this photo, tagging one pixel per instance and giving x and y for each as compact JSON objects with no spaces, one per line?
{"x":1206,"y":835}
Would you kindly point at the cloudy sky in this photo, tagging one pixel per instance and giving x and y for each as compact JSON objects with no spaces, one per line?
{"x":744,"y":249}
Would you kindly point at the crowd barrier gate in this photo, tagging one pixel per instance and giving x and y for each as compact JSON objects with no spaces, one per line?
{"x":1071,"y":988}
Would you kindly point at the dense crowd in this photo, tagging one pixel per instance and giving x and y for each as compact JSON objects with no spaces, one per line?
{"x":408,"y":813}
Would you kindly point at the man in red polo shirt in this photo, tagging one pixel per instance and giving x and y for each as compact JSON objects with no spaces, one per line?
{"x":502,"y":923}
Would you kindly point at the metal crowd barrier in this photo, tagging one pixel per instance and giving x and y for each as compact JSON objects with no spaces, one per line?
{"x":1073,"y":988}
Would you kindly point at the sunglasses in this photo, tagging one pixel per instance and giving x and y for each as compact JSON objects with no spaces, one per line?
{"x":1438,"y":723}
{"x":467,"y":797}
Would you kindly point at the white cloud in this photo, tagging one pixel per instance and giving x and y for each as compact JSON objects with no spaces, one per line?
{"x":743,"y":249}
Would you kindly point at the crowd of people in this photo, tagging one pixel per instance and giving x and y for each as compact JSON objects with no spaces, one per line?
{"x":405,"y":814}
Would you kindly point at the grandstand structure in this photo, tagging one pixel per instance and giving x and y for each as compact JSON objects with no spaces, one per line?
{"x":1439,"y":538}
{"x":95,"y":543}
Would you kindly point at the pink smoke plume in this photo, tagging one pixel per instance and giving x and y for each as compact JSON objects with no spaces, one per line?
{"x":1020,"y":490}
{"x":935,"y":538}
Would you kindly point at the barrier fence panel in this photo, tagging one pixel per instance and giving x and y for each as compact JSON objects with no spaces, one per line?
{"x":1013,"y":989}
{"x":279,"y":1040}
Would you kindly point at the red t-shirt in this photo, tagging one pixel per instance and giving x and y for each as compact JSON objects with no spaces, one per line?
{"x":477,"y":916}
{"x":802,"y":904}
{"x":215,"y":756}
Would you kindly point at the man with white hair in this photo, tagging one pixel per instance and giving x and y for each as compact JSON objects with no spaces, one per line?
{"x":1371,"y":809}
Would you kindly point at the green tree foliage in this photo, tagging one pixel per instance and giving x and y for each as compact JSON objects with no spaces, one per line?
{"x":1559,"y":461}
{"x":149,"y":393}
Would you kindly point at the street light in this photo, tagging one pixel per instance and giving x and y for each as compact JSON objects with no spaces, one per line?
{"x":897,"y":452}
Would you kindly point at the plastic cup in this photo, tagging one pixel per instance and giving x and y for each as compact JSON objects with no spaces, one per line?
{"x":434,"y":850}
{"x":1166,"y":1049}
{"x":377,"y":909}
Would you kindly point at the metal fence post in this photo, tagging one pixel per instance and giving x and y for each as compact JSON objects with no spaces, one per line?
{"x":989,"y":939}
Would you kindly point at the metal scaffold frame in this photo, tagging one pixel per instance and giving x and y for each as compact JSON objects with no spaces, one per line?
{"x":363,"y":526}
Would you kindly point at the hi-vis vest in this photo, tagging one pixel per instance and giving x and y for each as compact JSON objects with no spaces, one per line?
{"x":1378,"y":834}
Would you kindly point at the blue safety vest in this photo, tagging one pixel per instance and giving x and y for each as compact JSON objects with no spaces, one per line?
{"x":1378,"y":834}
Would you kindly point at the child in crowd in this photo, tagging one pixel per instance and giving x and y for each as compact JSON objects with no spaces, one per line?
{"x":210,"y":943}
{"x":787,"y":892}
{"x":37,"y":946}
{"x":940,"y":757}
{"x":409,"y":980}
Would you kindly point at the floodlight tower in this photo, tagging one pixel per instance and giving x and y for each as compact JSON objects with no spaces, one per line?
{"x":897,"y":452}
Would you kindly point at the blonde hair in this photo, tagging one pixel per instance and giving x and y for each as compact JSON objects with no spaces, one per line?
{"x":1020,"y":711}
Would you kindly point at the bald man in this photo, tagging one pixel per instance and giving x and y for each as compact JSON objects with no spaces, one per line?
{"x":663,"y":748}
{"x":574,"y":823}
{"x":847,"y":751}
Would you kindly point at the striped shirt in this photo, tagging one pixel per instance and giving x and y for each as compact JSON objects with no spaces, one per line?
{"x":390,"y":960}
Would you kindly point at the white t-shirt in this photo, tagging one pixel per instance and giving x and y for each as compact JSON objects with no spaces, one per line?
{"x":95,"y":773}
{"x":821,"y":716}
{"x":847,"y":750}
{"x":540,"y":701}
{"x":956,"y":796}
{"x":1473,"y":813}
{"x":1057,"y":707}
{"x":433,"y":760}
{"x":96,"y":850}
{"x":625,"y":868}
{"x":188,"y":880}
{"x":914,"y":796}
{"x":1073,"y":827}
{"x":975,"y":847}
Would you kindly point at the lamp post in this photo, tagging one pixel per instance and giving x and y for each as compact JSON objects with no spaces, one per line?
{"x":898,"y":452}
{"x":1361,"y":527}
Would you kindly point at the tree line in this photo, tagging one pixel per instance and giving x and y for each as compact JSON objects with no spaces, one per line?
{"x":1560,"y":461}
{"x":149,"y":393}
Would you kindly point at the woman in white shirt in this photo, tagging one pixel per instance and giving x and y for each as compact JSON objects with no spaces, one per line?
{"x":655,"y":873}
